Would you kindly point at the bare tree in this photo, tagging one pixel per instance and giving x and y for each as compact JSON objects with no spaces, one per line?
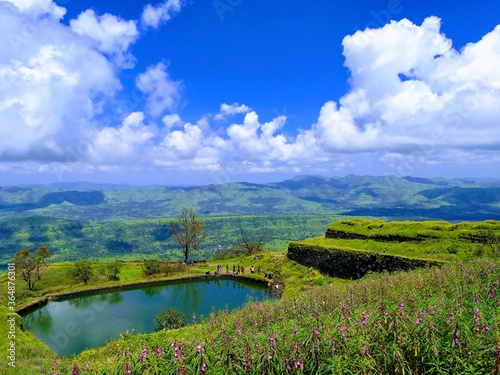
{"x":251,"y":247}
{"x":188,"y":231}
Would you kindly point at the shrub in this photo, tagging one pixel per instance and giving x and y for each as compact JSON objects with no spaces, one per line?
{"x":151,"y":267}
{"x":170,"y":319}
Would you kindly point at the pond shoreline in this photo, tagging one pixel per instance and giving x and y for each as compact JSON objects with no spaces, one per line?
{"x":28,"y":306}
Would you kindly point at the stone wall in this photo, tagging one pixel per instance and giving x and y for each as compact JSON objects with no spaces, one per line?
{"x":338,"y":234}
{"x":351,"y":264}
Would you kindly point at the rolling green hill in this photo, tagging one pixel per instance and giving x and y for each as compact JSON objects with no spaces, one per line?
{"x":388,"y":196}
{"x":93,"y":220}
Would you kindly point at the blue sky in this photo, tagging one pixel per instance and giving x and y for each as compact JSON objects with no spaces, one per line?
{"x":196,"y":92}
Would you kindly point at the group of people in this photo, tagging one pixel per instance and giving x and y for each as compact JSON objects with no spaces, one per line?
{"x":237,"y":269}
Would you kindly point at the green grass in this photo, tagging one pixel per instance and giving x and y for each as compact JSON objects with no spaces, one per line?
{"x":436,"y":321}
{"x":440,"y":240}
{"x":439,"y":229}
{"x":30,"y":352}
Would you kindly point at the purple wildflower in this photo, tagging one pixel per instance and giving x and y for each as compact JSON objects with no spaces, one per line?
{"x":126,"y":368}
{"x":298,"y":363}
{"x":364,"y":318}
{"x":271,"y":338}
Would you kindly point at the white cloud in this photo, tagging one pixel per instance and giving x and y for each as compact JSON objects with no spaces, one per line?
{"x":48,"y":84}
{"x":171,"y":120}
{"x":37,"y":8}
{"x":163,"y":92}
{"x":412,"y":91}
{"x":195,"y":147}
{"x":259,"y":144}
{"x":111,"y":34}
{"x":155,"y":16}
{"x":124,"y":144}
{"x":227,"y":110}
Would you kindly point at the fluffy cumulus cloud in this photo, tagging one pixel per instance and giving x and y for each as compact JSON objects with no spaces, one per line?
{"x":227,"y":110}
{"x":112,"y":35}
{"x":48,"y":80}
{"x":155,"y":16}
{"x":194,"y":147}
{"x":123,"y":144}
{"x":163,"y":92}
{"x":39,"y":8}
{"x":264,"y":148}
{"x":412,"y":92}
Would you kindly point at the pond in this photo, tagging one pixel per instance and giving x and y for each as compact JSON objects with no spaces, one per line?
{"x":71,"y":325}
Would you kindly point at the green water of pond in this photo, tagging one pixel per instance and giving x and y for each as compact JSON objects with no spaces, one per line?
{"x":87,"y":321}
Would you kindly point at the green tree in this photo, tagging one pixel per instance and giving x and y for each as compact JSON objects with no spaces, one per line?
{"x":29,"y":265}
{"x":170,"y":319}
{"x":111,"y":270}
{"x":82,"y":270}
{"x":188,"y":231}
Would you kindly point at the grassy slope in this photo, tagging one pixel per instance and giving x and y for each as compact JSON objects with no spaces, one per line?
{"x":445,"y":244}
{"x":426,"y":321}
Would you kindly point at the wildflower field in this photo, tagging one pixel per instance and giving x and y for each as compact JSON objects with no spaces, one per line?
{"x":432,"y":321}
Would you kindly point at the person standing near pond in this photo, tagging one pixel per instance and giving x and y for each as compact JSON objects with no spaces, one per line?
{"x":227,"y":268}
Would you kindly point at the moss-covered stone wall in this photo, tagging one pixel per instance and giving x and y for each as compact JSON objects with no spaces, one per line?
{"x":351,"y":264}
{"x":338,"y":234}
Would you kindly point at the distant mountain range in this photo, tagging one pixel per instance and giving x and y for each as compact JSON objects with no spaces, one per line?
{"x":387,"y":196}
